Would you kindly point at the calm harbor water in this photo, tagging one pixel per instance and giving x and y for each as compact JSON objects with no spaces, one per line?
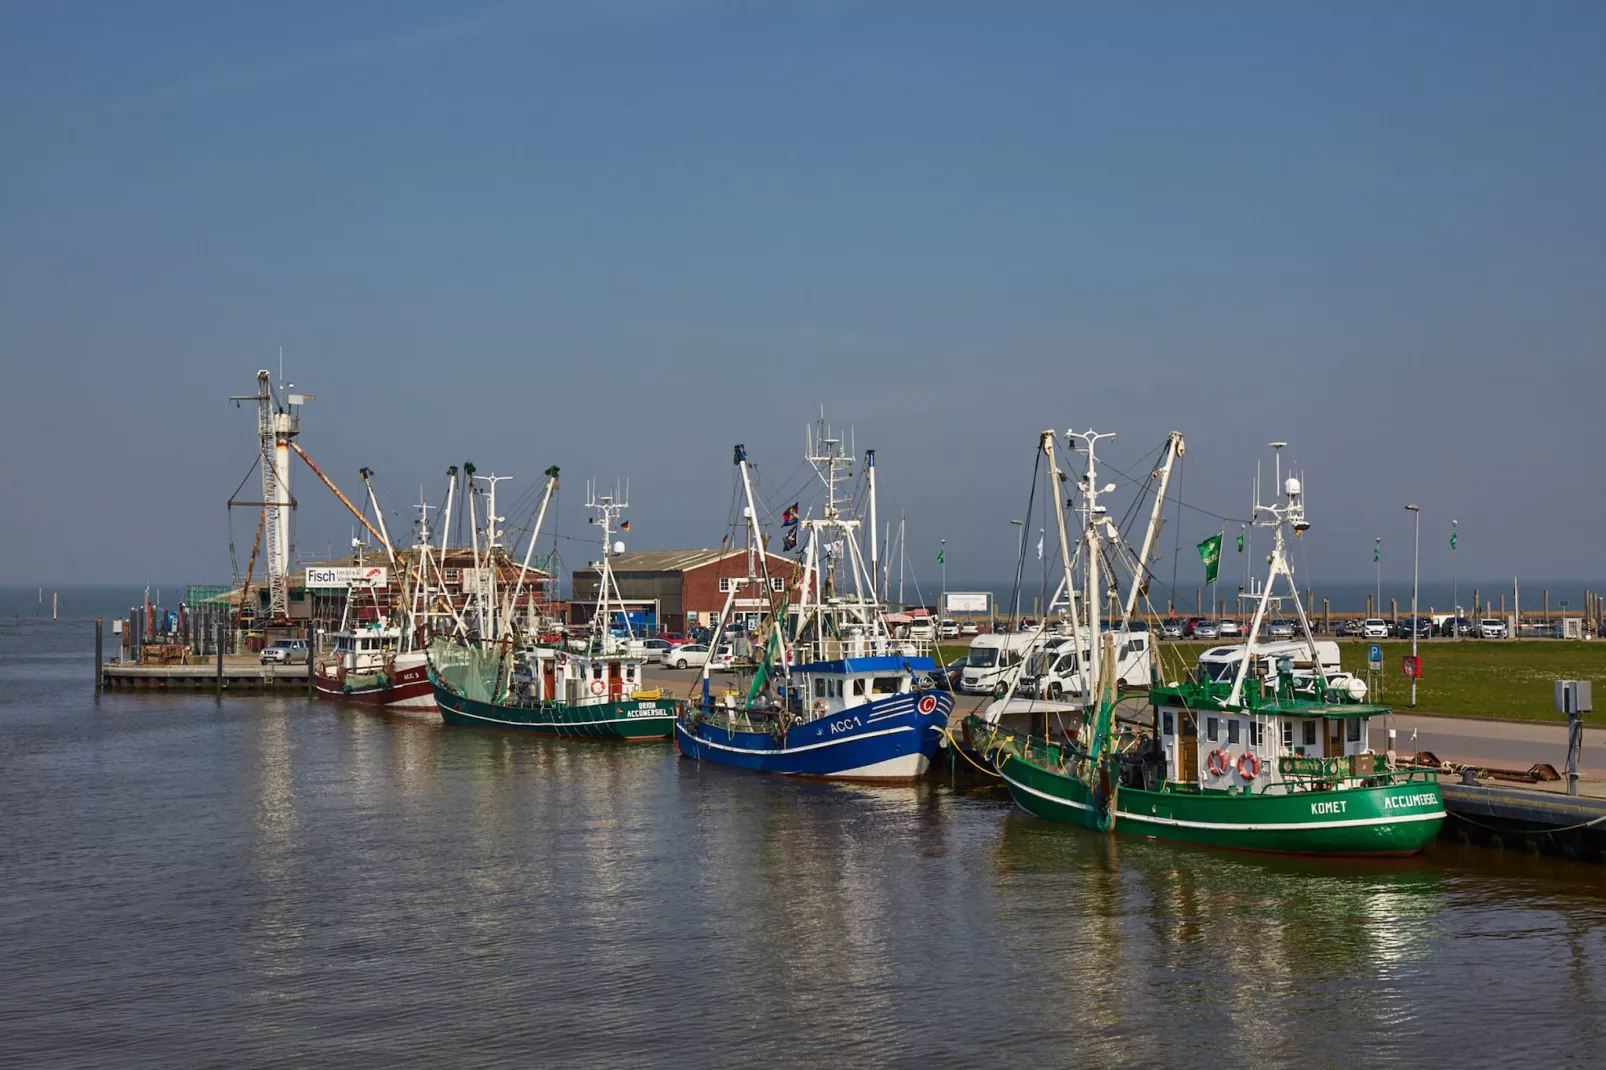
{"x":275,"y":881}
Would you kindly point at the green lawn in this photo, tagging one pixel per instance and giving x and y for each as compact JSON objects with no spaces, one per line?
{"x":1470,"y":678}
{"x":1485,"y":677}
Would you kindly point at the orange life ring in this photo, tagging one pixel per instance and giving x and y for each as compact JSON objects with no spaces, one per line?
{"x":1254,"y":766}
{"x":598,"y":687}
{"x":1218,"y":763}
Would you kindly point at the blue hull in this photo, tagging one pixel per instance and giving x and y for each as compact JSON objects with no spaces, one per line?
{"x":890,"y":739}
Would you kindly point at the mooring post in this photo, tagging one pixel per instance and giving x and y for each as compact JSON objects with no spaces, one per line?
{"x":219,"y":659}
{"x":98,"y":671}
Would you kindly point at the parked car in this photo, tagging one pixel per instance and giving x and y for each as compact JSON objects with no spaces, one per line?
{"x":1350,"y":627}
{"x":947,"y":628}
{"x":696,"y":655}
{"x":1280,"y":628}
{"x":657,"y":649}
{"x":1191,"y":624}
{"x":1173,"y":627}
{"x":286,"y":652}
{"x":1206,"y":629}
{"x":970,"y":627}
{"x":1491,"y":628}
{"x":948,"y":676}
{"x":1229,"y":628}
{"x":1421,"y":626}
{"x":1458,"y":626}
{"x":1375,"y":628}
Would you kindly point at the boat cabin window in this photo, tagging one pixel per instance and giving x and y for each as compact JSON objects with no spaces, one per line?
{"x":1232,"y":731}
{"x":1133,"y":646}
{"x":1211,"y":727}
{"x":1288,"y":733}
{"x":1310,"y":733}
{"x":886,"y":685}
{"x":630,"y":671}
{"x":1166,"y":724}
{"x":1254,"y":733}
{"x":596,"y":670}
{"x":1354,"y":729}
{"x":819,"y":687}
{"x":858,"y":686}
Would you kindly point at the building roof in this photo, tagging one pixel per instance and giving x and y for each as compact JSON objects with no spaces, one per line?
{"x":674,"y":560}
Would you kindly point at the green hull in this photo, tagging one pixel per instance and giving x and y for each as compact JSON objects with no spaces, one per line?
{"x":1397,"y":819}
{"x":625,"y":719}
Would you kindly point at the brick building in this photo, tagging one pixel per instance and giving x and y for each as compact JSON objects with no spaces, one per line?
{"x":672,"y":590}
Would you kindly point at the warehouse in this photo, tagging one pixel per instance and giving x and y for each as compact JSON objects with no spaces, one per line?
{"x":673,"y":590}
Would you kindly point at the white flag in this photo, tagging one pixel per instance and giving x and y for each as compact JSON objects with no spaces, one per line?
{"x":1039,"y":545}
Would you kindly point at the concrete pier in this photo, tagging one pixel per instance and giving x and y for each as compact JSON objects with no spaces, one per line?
{"x":235,"y":673}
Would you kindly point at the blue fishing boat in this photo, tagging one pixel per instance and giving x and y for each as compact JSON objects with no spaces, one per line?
{"x":833,"y":691}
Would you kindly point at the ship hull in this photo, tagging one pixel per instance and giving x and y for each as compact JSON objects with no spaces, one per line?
{"x":623,"y":719}
{"x":891,"y":740}
{"x":1393,"y":820}
{"x":409,"y":689}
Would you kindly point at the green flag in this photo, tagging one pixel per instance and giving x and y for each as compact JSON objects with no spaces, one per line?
{"x":1210,"y":554}
{"x":1452,"y":540}
{"x":939,"y":557}
{"x":1377,"y":553}
{"x":1240,"y":540}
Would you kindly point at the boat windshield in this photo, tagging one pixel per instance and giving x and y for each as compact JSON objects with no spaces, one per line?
{"x":1219,"y":670}
{"x":982,"y":657}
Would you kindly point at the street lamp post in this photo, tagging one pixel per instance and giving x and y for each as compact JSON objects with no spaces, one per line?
{"x":1455,"y":588}
{"x":942,"y":555}
{"x":1377,"y":559}
{"x":1416,"y":562}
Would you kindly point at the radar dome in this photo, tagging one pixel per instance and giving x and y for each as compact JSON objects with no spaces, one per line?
{"x":1292,"y":486}
{"x":618,"y":548}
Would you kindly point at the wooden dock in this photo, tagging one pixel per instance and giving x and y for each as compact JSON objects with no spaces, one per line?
{"x":1535,"y":820}
{"x":238,"y":674}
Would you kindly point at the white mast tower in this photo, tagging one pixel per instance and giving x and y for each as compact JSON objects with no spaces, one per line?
{"x":278,"y":423}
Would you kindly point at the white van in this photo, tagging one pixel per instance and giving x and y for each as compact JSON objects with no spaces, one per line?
{"x":1221,"y":663}
{"x":993,"y":660}
{"x":1054,"y":671}
{"x":922,"y":630}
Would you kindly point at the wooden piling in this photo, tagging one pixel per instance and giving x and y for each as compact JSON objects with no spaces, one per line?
{"x":98,"y":660}
{"x":219,"y":659}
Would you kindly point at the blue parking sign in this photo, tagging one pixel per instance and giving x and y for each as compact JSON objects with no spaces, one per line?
{"x":1374,"y":653}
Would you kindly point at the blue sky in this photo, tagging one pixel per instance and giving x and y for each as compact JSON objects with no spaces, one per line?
{"x":620,"y":236}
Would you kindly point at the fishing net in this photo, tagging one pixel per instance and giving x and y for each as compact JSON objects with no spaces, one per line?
{"x":472,"y":672}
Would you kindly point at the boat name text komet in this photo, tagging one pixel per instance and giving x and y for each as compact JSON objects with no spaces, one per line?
{"x":1335,"y":806}
{"x":1403,"y":802}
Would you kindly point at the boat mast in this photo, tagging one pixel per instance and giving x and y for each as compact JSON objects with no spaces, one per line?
{"x":1093,"y":516}
{"x":1293,"y":513}
{"x":608,"y":508}
{"x":1174,"y":448}
{"x":869,"y":468}
{"x":1045,"y":442}
{"x":756,"y":537}
{"x":524,"y":568}
{"x":492,"y":563}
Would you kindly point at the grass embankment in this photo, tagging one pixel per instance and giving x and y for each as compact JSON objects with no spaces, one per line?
{"x":1485,"y":677}
{"x":1470,"y":678}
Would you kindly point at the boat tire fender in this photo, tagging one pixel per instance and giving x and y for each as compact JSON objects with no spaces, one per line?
{"x":1248,"y":765}
{"x":1218,"y":763}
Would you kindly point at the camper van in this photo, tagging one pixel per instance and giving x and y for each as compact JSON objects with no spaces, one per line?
{"x":1054,"y":669}
{"x":1221,"y":663}
{"x":993,"y":659}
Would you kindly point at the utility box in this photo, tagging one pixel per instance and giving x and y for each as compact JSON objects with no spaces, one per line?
{"x":1573,"y":696}
{"x":1572,"y":627}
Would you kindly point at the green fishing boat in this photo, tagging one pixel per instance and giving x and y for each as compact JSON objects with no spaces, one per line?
{"x":588,"y":687}
{"x":548,"y":690}
{"x":1289,"y":764}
